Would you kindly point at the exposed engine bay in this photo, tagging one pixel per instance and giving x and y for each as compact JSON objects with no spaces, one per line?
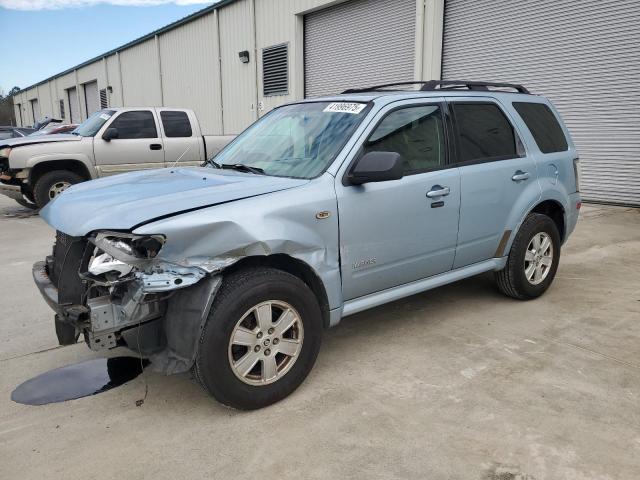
{"x":109,"y":288}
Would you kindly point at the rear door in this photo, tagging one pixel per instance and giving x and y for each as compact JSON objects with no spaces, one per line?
{"x":137,"y":147}
{"x":182,"y":143}
{"x":498,"y":177}
{"x":399,"y":231}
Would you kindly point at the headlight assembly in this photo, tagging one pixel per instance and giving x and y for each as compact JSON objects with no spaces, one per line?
{"x":4,"y":152}
{"x":129,"y":248}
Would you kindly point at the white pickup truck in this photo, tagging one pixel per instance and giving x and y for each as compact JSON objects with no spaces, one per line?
{"x":33,"y":170}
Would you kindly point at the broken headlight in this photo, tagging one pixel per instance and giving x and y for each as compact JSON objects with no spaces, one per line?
{"x":129,"y":248}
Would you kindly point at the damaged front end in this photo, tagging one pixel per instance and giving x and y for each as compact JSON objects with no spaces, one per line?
{"x":112,"y":288}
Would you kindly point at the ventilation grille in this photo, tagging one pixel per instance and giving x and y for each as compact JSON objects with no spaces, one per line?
{"x":275,"y":70}
{"x":104,"y":102}
{"x":61,"y":109}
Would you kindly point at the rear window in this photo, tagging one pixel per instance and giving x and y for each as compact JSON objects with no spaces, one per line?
{"x":483,"y":133}
{"x":543,"y":125}
{"x":176,"y":124}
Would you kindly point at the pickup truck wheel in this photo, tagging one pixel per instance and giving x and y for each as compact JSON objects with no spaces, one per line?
{"x":533,"y":259}
{"x":260,"y":340}
{"x":52,"y":184}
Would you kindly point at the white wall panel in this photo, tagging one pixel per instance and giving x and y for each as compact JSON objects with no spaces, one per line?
{"x":190,"y":71}
{"x":140,"y":75}
{"x":238,"y":79}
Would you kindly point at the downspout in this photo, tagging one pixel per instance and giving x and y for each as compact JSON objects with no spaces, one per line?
{"x":157,"y":40}
{"x":252,"y":6}
{"x":221,"y":96}
{"x":120,"y":75}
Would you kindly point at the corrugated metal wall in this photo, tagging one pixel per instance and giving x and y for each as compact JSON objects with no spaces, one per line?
{"x":583,"y":55}
{"x":141,"y":74}
{"x":190,"y":71}
{"x":358,"y":43}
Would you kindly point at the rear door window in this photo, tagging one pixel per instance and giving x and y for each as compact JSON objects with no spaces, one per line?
{"x":135,"y":124}
{"x":176,"y":124}
{"x":483,"y":133}
{"x":543,"y":125}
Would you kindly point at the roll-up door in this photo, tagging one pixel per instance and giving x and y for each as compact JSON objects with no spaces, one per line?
{"x":74,"y":105}
{"x":583,"y":55}
{"x":91,"y":97}
{"x":358,"y":43}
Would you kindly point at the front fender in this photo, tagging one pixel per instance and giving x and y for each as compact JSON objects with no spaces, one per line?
{"x":284,"y":222}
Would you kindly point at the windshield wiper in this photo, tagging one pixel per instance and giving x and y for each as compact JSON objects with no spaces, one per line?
{"x":211,"y":161}
{"x":242,"y":168}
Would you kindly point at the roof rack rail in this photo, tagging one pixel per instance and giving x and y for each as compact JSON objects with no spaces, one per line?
{"x":431,"y":85}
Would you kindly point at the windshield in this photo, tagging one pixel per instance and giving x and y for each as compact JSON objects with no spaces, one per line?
{"x":297,"y":141}
{"x":91,"y":125}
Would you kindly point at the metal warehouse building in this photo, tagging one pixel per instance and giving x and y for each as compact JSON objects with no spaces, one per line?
{"x":237,"y":59}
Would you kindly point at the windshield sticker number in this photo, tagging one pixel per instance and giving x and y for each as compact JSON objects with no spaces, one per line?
{"x":345,"y":107}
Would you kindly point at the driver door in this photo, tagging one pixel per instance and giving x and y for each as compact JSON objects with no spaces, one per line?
{"x":395,"y":232}
{"x":138,"y":145}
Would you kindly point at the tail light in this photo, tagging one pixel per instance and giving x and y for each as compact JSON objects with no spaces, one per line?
{"x":576,"y":172}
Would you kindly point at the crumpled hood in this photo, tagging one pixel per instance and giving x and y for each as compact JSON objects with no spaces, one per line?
{"x":123,"y":201}
{"x":29,"y":140}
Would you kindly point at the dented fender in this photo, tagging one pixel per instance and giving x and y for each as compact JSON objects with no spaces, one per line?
{"x":301,"y":223}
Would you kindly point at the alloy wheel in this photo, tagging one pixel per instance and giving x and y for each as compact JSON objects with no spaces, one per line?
{"x":266,"y":342}
{"x":538,"y":258}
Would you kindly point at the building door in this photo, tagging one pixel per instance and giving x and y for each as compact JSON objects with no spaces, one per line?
{"x":35,"y":110}
{"x":582,"y":55}
{"x":91,"y":97}
{"x":74,"y":105}
{"x":358,"y":43}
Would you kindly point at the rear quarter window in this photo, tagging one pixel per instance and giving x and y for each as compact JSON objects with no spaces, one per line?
{"x":543,"y":125}
{"x":176,"y":124}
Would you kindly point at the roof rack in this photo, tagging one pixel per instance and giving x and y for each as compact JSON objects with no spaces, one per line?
{"x":431,"y":85}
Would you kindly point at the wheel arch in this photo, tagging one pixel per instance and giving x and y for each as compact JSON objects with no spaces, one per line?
{"x":554,"y":210}
{"x":295,"y":267}
{"x":75,"y":166}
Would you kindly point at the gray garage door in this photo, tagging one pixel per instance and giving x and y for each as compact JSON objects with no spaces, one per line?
{"x":91,"y":97}
{"x":583,"y":55}
{"x":74,"y":105}
{"x":358,"y":43}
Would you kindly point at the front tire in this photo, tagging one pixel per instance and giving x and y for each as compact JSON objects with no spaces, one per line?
{"x":533,"y":259}
{"x":52,"y":184}
{"x":261,"y":338}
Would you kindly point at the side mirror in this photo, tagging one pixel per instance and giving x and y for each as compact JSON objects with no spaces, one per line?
{"x":109,"y":134}
{"x":377,"y":167}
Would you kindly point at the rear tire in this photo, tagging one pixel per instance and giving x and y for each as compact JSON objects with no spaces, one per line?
{"x":533,"y":259}
{"x":241,"y":359}
{"x":51,"y":184}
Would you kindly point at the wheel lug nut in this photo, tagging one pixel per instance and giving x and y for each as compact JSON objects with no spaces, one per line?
{"x":259,"y":335}
{"x":267,"y":352}
{"x":256,"y":348}
{"x":276,"y":341}
{"x":271,"y":330}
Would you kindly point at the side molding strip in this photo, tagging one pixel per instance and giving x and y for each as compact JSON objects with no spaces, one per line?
{"x":379,"y":298}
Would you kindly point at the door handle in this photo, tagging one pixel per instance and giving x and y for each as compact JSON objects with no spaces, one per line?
{"x":519,"y":176}
{"x":438,"y":191}
{"x":155,"y":146}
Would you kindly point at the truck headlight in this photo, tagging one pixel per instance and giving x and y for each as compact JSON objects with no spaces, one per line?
{"x":4,"y":152}
{"x":129,"y":248}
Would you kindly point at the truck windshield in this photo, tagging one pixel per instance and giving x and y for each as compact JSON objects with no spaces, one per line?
{"x":91,"y":125}
{"x":297,"y":141}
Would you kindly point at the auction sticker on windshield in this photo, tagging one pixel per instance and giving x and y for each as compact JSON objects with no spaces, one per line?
{"x":345,"y":107}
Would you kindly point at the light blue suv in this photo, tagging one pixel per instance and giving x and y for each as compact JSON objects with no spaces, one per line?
{"x":321,"y":209}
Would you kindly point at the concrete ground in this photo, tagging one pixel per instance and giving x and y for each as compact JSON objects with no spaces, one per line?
{"x":456,"y":383}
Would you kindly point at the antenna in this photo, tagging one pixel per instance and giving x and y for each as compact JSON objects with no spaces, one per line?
{"x":180,"y":157}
